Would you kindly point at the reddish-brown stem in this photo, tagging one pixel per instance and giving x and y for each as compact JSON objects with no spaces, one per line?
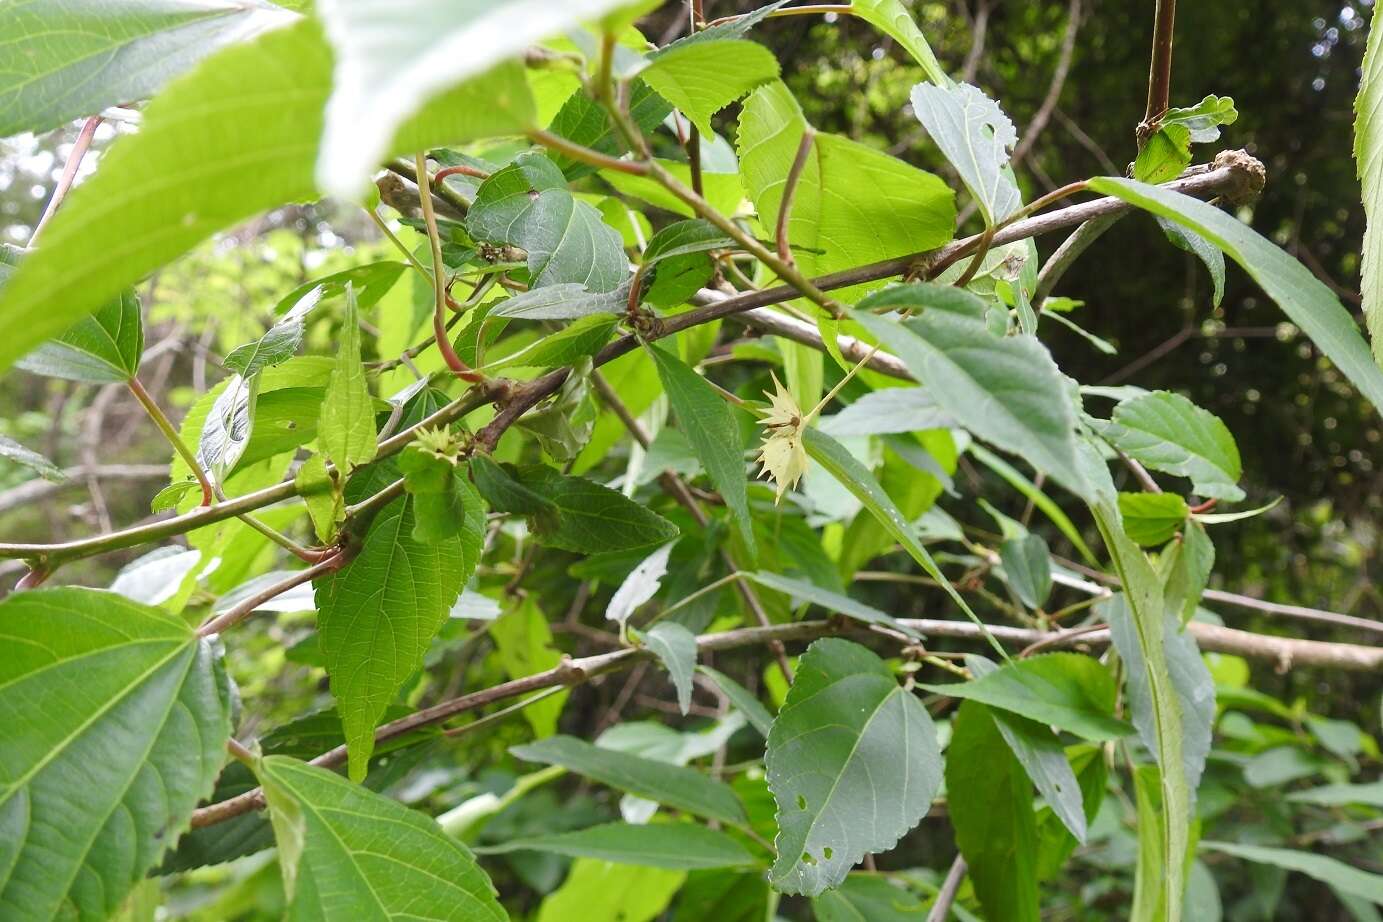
{"x":1159,"y":70}
{"x":1204,"y":507}
{"x":459,"y":170}
{"x":799,"y":163}
{"x":439,"y":285}
{"x":69,"y":173}
{"x":227,"y":620}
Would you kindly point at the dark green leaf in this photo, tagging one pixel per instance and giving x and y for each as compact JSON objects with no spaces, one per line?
{"x":678,"y":846}
{"x":1167,"y":432}
{"x":868,"y":899}
{"x":583,"y":337}
{"x":740,"y":697}
{"x":1028,"y":565}
{"x":590,"y":518}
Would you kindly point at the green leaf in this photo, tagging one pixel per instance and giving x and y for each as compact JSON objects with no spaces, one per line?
{"x":1064,"y":690}
{"x":347,"y":852}
{"x":701,"y":78}
{"x":527,"y":204}
{"x":856,"y":478}
{"x":975,"y":136}
{"x":1336,"y":795}
{"x":684,"y":238}
{"x":1198,"y":246}
{"x":601,"y":890}
{"x":1368,"y":156}
{"x":1028,"y":564}
{"x":888,"y":411}
{"x":11,"y":450}
{"x":675,"y":647}
{"x":803,"y":591}
{"x":563,"y":301}
{"x":1304,"y":298}
{"x":676,"y":846}
{"x":1187,"y":567}
{"x":891,"y":17}
{"x":1033,"y":494}
{"x":642,"y":584}
{"x":228,"y":427}
{"x":279,"y":343}
{"x":371,"y":282}
{"x":868,"y":899}
{"x":741,"y":698}
{"x":1203,"y":120}
{"x":1336,"y":873}
{"x":682,"y":788}
{"x":523,"y":641}
{"x":567,"y":346}
{"x":710,"y":426}
{"x":325,"y":505}
{"x":585,"y":121}
{"x":347,"y":425}
{"x":1006,"y":390}
{"x":852,"y":205}
{"x":1167,"y":432}
{"x":444,"y":502}
{"x":252,"y":151}
{"x":590,"y":518}
{"x":852,"y":762}
{"x":102,"y":348}
{"x":1151,"y":519}
{"x":1164,"y":155}
{"x":117,"y":717}
{"x":377,"y":615}
{"x":989,"y":798}
{"x":63,"y":60}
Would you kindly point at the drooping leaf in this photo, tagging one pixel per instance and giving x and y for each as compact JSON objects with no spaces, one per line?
{"x":325,"y":505}
{"x":862,"y":898}
{"x":377,"y":615}
{"x":673,"y":785}
{"x":642,"y":584}
{"x":1186,"y":567}
{"x":1336,"y":795}
{"x":562,"y":301}
{"x":589,"y":518}
{"x":852,"y":204}
{"x":117,"y":717}
{"x":11,"y":450}
{"x":568,"y":345}
{"x":524,"y":643}
{"x":102,"y":348}
{"x":888,"y":411}
{"x":1006,"y":390}
{"x":852,"y":762}
{"x":1340,"y":876}
{"x":1368,"y":158}
{"x":710,"y":426}
{"x":347,"y":852}
{"x":801,"y":590}
{"x":677,"y":846}
{"x":1028,"y":564}
{"x":1304,"y":298}
{"x":740,"y":697}
{"x":1167,"y":432}
{"x":976,"y":137}
{"x":701,"y":78}
{"x":992,"y":814}
{"x":527,"y":204}
{"x":228,"y":427}
{"x":279,"y":343}
{"x":70,"y":58}
{"x":347,"y":424}
{"x":1198,"y":246}
{"x":134,"y":215}
{"x":1151,"y":519}
{"x":675,"y":647}
{"x":1065,"y":690}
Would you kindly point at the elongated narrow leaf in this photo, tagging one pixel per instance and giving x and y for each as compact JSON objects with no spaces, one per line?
{"x":68,"y":58}
{"x":567,"y":346}
{"x":377,"y":615}
{"x":852,"y":762}
{"x":675,"y":647}
{"x":710,"y":426}
{"x":116,"y":720}
{"x":976,"y":136}
{"x":1167,"y":432}
{"x":1065,"y":690}
{"x":1303,"y":298}
{"x":384,"y":75}
{"x":701,"y":78}
{"x":673,"y":785}
{"x":347,"y":425}
{"x":989,"y":798}
{"x":740,"y":697}
{"x":11,"y":450}
{"x":677,"y":846}
{"x":347,"y":852}
{"x":831,"y":601}
{"x":1368,"y":157}
{"x":1006,"y":390}
{"x":1327,"y":870}
{"x":102,"y":348}
{"x":252,"y":151}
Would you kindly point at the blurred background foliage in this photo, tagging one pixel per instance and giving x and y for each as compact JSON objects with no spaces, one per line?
{"x":1292,"y":68}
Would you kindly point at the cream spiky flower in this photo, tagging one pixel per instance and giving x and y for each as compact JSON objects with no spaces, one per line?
{"x":783,"y":456}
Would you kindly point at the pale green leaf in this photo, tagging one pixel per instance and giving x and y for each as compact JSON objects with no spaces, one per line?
{"x":676,"y":846}
{"x":102,"y":348}
{"x":642,"y":584}
{"x":1304,"y":298}
{"x":675,"y":647}
{"x":1167,"y":432}
{"x":673,"y":785}
{"x":227,"y":429}
{"x":11,"y":450}
{"x":975,"y":136}
{"x":280,"y":342}
{"x":1028,"y":565}
{"x":888,"y":411}
{"x":802,"y":591}
{"x":116,"y":720}
{"x":1064,"y":690}
{"x":853,"y":764}
{"x":348,"y":853}
{"x":585,"y":337}
{"x":523,"y":641}
{"x":1203,"y":120}
{"x":741,"y":698}
{"x":701,"y":78}
{"x":1368,"y":156}
{"x":1342,"y":877}
{"x":321,"y":497}
{"x":346,"y":429}
{"x":563,"y":301}
{"x":1337,"y":795}
{"x":67,"y":58}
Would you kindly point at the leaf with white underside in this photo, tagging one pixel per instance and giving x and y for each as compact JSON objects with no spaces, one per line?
{"x":1305,"y":300}
{"x":102,"y":348}
{"x":527,"y":204}
{"x":639,"y":586}
{"x":279,"y":342}
{"x":228,"y":426}
{"x":888,"y":411}
{"x":253,"y":150}
{"x":346,"y":428}
{"x":976,"y":137}
{"x":1167,"y":432}
{"x":116,"y":720}
{"x":674,"y":785}
{"x":1342,"y":877}
{"x":563,"y":301}
{"x":852,"y":762}
{"x":1368,"y":155}
{"x":802,"y":591}
{"x":392,"y":56}
{"x":677,"y":846}
{"x":701,"y":78}
{"x":377,"y":615}
{"x":1006,"y":390}
{"x":63,"y":59}
{"x":11,"y":450}
{"x":349,"y":853}
{"x":675,"y":647}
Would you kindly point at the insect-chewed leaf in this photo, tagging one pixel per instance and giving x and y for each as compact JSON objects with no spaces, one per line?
{"x":976,"y":136}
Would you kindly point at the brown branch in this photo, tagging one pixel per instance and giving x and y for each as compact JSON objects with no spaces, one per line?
{"x":69,"y":174}
{"x":230,"y":618}
{"x":799,"y":163}
{"x":1159,"y":70}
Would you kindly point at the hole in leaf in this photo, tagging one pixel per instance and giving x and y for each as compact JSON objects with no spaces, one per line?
{"x":801,"y":802}
{"x":808,"y":859}
{"x":827,"y":852}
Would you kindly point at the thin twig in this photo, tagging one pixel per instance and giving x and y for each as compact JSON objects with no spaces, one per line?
{"x":799,"y":163}
{"x":69,"y":174}
{"x":439,"y":283}
{"x":223,"y":622}
{"x":946,"y":896}
{"x":1159,"y":70}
